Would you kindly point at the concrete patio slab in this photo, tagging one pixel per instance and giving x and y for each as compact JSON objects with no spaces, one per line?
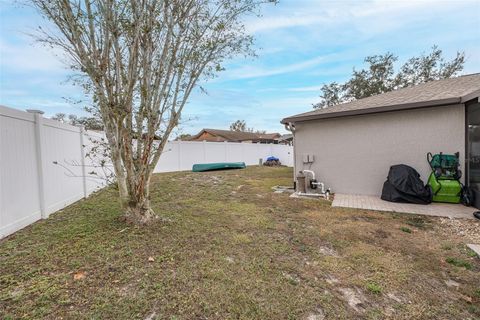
{"x":475,"y":248}
{"x":375,"y":203}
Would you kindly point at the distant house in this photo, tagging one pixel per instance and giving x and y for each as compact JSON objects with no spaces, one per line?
{"x":214,"y":135}
{"x":286,"y":139}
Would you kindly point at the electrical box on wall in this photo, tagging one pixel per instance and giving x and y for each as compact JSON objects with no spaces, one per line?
{"x":308,"y":158}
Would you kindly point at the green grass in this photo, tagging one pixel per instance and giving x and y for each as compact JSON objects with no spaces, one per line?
{"x":374,"y":288}
{"x":469,"y":252}
{"x":417,"y":222}
{"x":459,"y":263}
{"x":231,"y":249}
{"x":477,"y":293}
{"x":405,"y":229}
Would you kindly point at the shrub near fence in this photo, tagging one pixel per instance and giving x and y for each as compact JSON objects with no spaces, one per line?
{"x":43,"y":167}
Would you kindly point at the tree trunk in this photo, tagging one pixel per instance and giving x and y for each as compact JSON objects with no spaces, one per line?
{"x":133,"y":191}
{"x":137,"y":209}
{"x":139,"y":212}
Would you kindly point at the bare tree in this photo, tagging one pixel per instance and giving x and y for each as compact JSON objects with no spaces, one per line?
{"x":141,"y":59}
{"x":89,"y":123}
{"x":61,"y":117}
{"x":239,"y":125}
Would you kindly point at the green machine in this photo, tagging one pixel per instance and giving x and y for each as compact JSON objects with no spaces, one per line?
{"x":445,"y":177}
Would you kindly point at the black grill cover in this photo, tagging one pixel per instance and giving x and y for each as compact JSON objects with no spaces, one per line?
{"x":404,"y":185}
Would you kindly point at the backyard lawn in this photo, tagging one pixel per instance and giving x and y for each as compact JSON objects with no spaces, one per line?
{"x":227,"y":247}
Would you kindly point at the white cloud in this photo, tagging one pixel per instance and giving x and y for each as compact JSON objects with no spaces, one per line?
{"x":323,"y":13}
{"x":249,"y":71}
{"x":27,"y":57}
{"x":306,"y":89}
{"x":43,"y":103}
{"x":13,"y":92}
{"x":279,"y":22}
{"x":286,"y":105}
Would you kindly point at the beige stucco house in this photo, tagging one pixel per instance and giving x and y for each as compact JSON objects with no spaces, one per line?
{"x":351,"y":146}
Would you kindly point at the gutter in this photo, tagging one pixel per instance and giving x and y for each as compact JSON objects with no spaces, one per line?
{"x":396,"y":107}
{"x":289,"y":127}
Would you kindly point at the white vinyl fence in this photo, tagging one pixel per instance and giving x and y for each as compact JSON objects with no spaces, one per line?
{"x":44,"y":168}
{"x":32,"y":186}
{"x":182,"y":155}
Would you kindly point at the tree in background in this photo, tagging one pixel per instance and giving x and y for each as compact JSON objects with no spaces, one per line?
{"x":89,"y":123}
{"x":140,"y":61}
{"x":381,"y":77}
{"x":239,"y":125}
{"x":60,"y":117}
{"x":183,"y":137}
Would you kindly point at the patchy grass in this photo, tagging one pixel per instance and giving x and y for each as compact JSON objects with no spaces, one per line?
{"x":232,"y":249}
{"x":477,"y":293}
{"x":374,"y":288}
{"x":405,"y":229}
{"x":459,"y":263}
{"x":447,"y":246}
{"x":417,"y":222}
{"x":469,"y":252}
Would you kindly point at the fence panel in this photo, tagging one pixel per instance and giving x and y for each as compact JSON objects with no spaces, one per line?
{"x":182,"y":155}
{"x":96,"y":175}
{"x":62,"y":165}
{"x":215,"y":152}
{"x":190,"y":153}
{"x":284,"y":153}
{"x":19,"y":197}
{"x":43,"y":164}
{"x":170,"y":158}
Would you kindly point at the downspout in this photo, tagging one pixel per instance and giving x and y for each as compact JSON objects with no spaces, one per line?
{"x":289,"y":126}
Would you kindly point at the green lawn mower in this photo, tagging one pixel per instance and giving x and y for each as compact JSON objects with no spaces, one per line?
{"x":445,"y":179}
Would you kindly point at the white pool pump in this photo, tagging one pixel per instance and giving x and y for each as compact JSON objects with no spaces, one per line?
{"x":313,"y":188}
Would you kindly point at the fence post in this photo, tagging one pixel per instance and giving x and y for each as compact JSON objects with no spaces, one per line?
{"x":225,"y":145}
{"x":82,"y":162}
{"x":204,"y":144}
{"x":40,"y":163}
{"x":179,"y":151}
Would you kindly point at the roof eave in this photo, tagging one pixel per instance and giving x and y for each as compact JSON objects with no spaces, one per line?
{"x":471,"y":96}
{"x":198,"y":135}
{"x":397,"y":107}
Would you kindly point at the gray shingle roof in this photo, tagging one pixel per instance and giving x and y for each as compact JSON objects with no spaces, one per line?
{"x":434,"y":93}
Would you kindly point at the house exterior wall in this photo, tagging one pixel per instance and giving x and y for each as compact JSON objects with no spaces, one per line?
{"x":353,"y":154}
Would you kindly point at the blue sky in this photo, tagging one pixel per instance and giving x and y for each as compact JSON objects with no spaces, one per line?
{"x":301,"y":44}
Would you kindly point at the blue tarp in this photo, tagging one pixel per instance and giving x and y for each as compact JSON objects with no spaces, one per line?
{"x":272,"y":158}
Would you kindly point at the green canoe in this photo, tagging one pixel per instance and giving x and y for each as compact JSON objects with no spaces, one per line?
{"x":218,"y":166}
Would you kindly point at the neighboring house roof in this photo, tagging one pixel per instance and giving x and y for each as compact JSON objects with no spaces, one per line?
{"x":268,"y":136}
{"x":430,"y":94}
{"x":285,"y":137}
{"x":237,"y":135}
